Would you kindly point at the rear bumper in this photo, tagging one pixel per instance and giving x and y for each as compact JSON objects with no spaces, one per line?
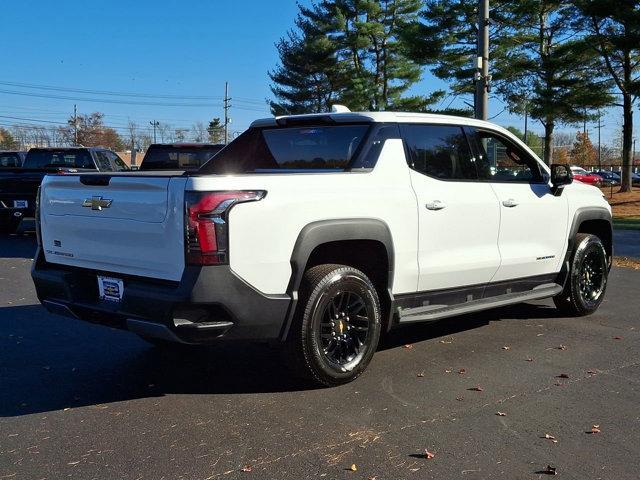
{"x":207,"y":304}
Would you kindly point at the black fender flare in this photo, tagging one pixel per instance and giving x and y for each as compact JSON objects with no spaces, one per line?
{"x":581,"y":215}
{"x":317,"y":233}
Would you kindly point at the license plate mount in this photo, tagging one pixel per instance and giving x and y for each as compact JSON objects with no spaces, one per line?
{"x":110,"y":289}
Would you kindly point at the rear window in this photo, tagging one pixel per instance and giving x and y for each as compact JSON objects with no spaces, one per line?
{"x":309,"y":148}
{"x":71,"y":158}
{"x":10,"y":160}
{"x":171,"y":157}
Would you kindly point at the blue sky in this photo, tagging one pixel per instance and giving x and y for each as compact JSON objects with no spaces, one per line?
{"x":144,"y":47}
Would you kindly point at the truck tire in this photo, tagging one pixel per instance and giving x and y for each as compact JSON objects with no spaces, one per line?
{"x":336,"y":328}
{"x":587,"y":280}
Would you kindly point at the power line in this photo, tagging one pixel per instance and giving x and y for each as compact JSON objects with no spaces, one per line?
{"x":126,"y":94}
{"x":123,"y":102}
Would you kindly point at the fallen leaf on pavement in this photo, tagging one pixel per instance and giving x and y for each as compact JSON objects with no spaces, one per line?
{"x":501,"y":414}
{"x":561,"y":347}
{"x":460,"y":399}
{"x":246,"y":468}
{"x":595,"y":429}
{"x":462,"y":371}
{"x":506,"y":347}
{"x":408,"y":346}
{"x":353,"y":468}
{"x":592,"y":372}
{"x":617,"y":338}
{"x":447,"y":342}
{"x":447,"y":371}
{"x":421,"y":374}
{"x":550,"y":437}
{"x":550,"y":470}
{"x":562,"y":375}
{"x":428,"y":455}
{"x":529,"y":359}
{"x":477,"y":388}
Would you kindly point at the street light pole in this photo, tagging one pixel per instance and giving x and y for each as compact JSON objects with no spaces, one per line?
{"x":482,"y":73}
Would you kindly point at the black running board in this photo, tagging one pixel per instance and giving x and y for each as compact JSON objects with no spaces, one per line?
{"x":436,"y":312}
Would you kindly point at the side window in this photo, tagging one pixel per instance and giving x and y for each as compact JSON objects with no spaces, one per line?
{"x":440,"y":151}
{"x":369,"y":158}
{"x":118,"y":163}
{"x":500,"y":160}
{"x":104,"y":165}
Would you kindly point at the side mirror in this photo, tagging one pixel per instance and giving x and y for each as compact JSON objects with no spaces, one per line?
{"x":560,"y":176}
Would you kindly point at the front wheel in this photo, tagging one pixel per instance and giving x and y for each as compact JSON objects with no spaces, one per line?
{"x":337,"y":325}
{"x":587,"y":281}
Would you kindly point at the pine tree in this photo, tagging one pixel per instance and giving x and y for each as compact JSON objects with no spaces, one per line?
{"x":352,"y":52}
{"x":546,"y":60}
{"x":538,"y":60}
{"x":614,"y":36}
{"x":215,"y":131}
{"x":308,"y":78}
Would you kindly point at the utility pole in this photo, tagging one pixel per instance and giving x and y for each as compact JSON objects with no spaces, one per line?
{"x":154,"y":124}
{"x":599,"y":140}
{"x":227,"y":105}
{"x":482,"y":77}
{"x":526,"y":119}
{"x":75,"y":124}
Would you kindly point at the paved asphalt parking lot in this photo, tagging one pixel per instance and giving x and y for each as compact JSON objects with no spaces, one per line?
{"x":86,"y":402}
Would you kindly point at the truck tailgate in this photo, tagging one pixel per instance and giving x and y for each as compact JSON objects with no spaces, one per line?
{"x":132,"y":225}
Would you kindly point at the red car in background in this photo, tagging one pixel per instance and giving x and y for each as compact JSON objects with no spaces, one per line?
{"x":583,"y":176}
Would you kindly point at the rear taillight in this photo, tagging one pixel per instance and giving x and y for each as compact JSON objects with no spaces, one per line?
{"x":206,"y":224}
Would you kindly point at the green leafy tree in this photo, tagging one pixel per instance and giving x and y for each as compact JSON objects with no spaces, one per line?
{"x":215,"y":130}
{"x":7,"y":141}
{"x":614,"y":35}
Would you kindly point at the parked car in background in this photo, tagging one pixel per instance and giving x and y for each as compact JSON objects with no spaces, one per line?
{"x":11,"y":159}
{"x":19,"y":185}
{"x":608,"y":177}
{"x":178,"y":156}
{"x":583,"y":176}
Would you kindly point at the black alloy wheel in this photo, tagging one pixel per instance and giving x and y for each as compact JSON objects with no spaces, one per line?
{"x":587,"y":279}
{"x":337,"y":325}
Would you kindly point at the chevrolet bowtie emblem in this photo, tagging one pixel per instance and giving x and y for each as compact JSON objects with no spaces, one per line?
{"x":97,"y":203}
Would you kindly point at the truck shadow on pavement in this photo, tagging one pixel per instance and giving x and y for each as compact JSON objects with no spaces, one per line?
{"x":51,"y":363}
{"x":18,"y":245}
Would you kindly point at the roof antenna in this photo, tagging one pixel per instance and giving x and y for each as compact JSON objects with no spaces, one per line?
{"x":339,"y":109}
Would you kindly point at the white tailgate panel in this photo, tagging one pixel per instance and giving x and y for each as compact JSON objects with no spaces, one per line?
{"x":140,"y":233}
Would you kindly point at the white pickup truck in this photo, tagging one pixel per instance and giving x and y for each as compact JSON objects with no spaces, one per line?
{"x":322,"y":232}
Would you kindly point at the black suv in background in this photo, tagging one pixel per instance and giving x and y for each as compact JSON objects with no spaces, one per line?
{"x":178,"y":156}
{"x":19,"y":185}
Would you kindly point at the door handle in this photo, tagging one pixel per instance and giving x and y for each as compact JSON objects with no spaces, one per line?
{"x":435,"y":205}
{"x":510,"y":203}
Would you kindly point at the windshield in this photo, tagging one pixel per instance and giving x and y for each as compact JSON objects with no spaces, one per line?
{"x":67,"y":158}
{"x":173,"y":157}
{"x":292,"y":149}
{"x":579,"y":171}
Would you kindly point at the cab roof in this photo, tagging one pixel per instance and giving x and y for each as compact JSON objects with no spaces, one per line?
{"x":370,"y":117}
